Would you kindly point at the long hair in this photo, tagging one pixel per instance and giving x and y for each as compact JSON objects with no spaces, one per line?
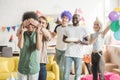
{"x":44,"y":18}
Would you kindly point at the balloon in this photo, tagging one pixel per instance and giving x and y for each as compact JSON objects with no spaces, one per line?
{"x":117,"y":35}
{"x":114,"y":26}
{"x":113,"y":16}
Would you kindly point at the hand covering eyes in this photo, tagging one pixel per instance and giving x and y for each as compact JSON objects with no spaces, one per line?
{"x":31,"y":21}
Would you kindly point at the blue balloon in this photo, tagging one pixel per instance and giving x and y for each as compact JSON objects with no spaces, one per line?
{"x":117,"y":35}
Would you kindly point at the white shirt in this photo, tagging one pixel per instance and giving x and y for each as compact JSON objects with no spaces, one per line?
{"x":60,"y":45}
{"x":73,"y":49}
{"x":98,"y":45}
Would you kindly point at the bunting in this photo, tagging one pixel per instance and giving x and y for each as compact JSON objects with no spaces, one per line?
{"x":14,"y":27}
{"x":9,"y":28}
{"x":11,"y":38}
{"x":3,"y":28}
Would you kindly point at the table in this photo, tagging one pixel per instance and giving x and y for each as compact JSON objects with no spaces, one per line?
{"x":15,"y":53}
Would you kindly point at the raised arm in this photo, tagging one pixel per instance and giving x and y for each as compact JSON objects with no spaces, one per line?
{"x":39,"y":38}
{"x":47,"y":34}
{"x":53,"y":34}
{"x":106,"y":30}
{"x":20,"y":35}
{"x":55,"y":31}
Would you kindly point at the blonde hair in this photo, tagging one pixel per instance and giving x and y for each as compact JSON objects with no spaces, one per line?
{"x":97,"y":21}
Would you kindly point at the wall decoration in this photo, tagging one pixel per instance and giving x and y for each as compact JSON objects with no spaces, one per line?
{"x":9,"y":28}
{"x":3,"y":28}
{"x":11,"y":38}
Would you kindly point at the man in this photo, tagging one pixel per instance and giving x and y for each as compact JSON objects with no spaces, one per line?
{"x":73,"y":35}
{"x":60,"y":45}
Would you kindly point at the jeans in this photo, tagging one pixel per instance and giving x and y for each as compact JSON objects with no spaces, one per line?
{"x":60,"y":61}
{"x":78,"y":67}
{"x":98,"y":64}
{"x":42,"y":72}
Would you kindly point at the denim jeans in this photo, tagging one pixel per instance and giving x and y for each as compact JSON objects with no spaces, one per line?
{"x":78,"y":67}
{"x":60,"y":61}
{"x":42,"y":72}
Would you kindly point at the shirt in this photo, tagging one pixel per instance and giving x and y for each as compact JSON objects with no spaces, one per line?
{"x":73,"y":49}
{"x":44,"y":57}
{"x":60,"y":45}
{"x":29,"y":55}
{"x":98,"y":45}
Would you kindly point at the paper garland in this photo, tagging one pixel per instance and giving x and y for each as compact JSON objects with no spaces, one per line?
{"x":4,"y":28}
{"x":8,"y":28}
{"x":11,"y":38}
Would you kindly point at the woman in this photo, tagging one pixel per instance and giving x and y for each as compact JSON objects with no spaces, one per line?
{"x":30,"y":43}
{"x":97,"y":39}
{"x":46,"y":37}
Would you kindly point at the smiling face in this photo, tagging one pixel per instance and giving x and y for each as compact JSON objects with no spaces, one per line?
{"x":96,"y":26}
{"x":76,"y":19}
{"x":65,"y":21}
{"x":43,"y":22}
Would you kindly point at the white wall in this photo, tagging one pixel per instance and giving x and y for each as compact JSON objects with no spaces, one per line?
{"x":11,"y":11}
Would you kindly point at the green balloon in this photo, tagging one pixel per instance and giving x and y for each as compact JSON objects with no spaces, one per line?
{"x":114,"y":26}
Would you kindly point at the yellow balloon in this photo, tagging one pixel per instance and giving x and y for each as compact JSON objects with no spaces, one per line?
{"x":117,"y":9}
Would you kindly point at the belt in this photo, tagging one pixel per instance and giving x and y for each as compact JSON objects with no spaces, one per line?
{"x":42,"y":63}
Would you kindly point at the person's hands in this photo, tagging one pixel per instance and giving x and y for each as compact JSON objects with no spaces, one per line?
{"x":78,"y":42}
{"x":65,"y":37}
{"x":33,"y":22}
{"x":25,"y":23}
{"x":22,"y":29}
{"x":38,"y":30}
